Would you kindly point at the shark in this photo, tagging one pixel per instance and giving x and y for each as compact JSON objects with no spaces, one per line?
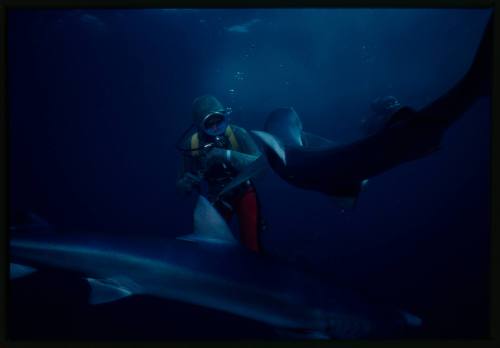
{"x":210,"y":268}
{"x":341,"y":171}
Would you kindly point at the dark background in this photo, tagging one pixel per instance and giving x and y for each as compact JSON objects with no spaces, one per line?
{"x":97,"y":100}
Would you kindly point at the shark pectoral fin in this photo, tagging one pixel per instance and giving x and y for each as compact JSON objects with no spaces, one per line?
{"x":314,"y":140}
{"x":272,"y":144}
{"x":103,"y":291}
{"x":254,"y":170}
{"x":19,"y":271}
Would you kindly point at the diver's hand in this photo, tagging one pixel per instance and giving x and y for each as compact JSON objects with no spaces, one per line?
{"x":188,"y":182}
{"x":214,"y":156}
{"x":237,"y":159}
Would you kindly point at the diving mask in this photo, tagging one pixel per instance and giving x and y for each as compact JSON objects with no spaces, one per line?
{"x":215,"y":123}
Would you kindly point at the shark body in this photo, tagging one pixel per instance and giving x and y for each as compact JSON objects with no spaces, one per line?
{"x":209,"y":268}
{"x":340,"y":170}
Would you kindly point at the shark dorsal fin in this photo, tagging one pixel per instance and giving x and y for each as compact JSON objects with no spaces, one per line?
{"x":209,"y":225}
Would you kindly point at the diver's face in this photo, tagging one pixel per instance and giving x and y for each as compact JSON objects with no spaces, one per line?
{"x":215,"y":124}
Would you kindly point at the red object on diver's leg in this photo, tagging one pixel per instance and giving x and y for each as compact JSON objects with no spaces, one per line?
{"x":247,"y":209}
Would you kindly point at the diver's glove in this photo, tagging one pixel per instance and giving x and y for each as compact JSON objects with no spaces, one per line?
{"x":187,"y":183}
{"x":238,"y":160}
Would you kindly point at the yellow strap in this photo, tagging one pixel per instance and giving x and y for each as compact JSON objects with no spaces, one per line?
{"x":232,"y":139}
{"x":195,"y":141}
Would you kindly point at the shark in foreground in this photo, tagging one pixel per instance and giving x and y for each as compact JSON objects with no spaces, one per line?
{"x":209,"y":268}
{"x":340,"y":171}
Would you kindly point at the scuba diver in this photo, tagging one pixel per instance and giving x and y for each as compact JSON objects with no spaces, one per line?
{"x":212,"y":157}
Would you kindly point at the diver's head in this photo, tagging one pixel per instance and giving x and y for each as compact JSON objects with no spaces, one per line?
{"x":209,"y":116}
{"x":385,"y":105}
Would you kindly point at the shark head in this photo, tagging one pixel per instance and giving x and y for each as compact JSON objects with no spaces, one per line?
{"x":285,"y":124}
{"x":273,"y":147}
{"x":283,"y":128}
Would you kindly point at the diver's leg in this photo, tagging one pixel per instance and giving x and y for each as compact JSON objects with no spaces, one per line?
{"x":248,"y":210}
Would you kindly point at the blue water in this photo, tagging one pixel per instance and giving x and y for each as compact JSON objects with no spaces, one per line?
{"x":98,"y":98}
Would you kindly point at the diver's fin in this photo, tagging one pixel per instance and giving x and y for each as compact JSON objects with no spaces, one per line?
{"x":285,"y":124}
{"x":209,"y":225}
{"x":252,"y":171}
{"x":18,"y":271}
{"x":314,"y":140}
{"x":103,"y":291}
{"x":272,"y":144}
